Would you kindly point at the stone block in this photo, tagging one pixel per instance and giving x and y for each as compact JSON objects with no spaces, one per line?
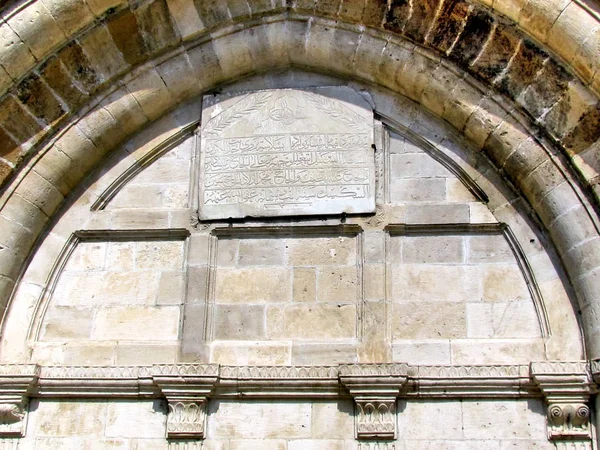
{"x":503,"y":283}
{"x":516,"y":319}
{"x":120,"y":255}
{"x":489,"y":249}
{"x":435,"y":214}
{"x":418,"y":190}
{"x":62,"y":418}
{"x":145,"y":354}
{"x":170,"y":289}
{"x":415,"y":282}
{"x":433,"y":249}
{"x":103,"y":54}
{"x":63,"y":323}
{"x":179,"y":77}
{"x":17,"y":121}
{"x":155,"y":25}
{"x":430,"y":351}
{"x":374,"y":247}
{"x":253,"y":285}
{"x":261,"y":252}
{"x":186,"y":18}
{"x":332,"y":419}
{"x":461,"y":104}
{"x":227,"y":255}
{"x":313,"y":444}
{"x":430,"y":420}
{"x":206,"y":64}
{"x":259,"y":420}
{"x":374,"y":281}
{"x":474,"y":36}
{"x":159,"y":255}
{"x":251,"y":353}
{"x":198,"y":249}
{"x":136,"y":419}
{"x":337,"y":251}
{"x":70,"y":16}
{"x":102,"y":129}
{"x":126,"y":110}
{"x":16,"y":58}
{"x":497,"y":351}
{"x":35,"y":95}
{"x":99,"y":7}
{"x":497,"y":419}
{"x":37,"y":28}
{"x":151,"y":93}
{"x":239,"y":322}
{"x":258,"y":444}
{"x":312,"y":321}
{"x":325,"y":354}
{"x":60,"y":170}
{"x":429,"y":320}
{"x":137,"y":323}
{"x":234,"y":56}
{"x":304,"y":284}
{"x":337,"y":284}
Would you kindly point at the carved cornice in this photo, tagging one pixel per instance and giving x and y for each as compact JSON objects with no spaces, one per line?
{"x":16,"y":384}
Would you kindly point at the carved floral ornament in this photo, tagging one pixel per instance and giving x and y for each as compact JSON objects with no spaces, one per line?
{"x":375,"y":388}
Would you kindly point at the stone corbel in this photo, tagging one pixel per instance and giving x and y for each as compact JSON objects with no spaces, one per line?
{"x":16,"y":384}
{"x":566,"y":386}
{"x":187,"y":388}
{"x":375,"y":388}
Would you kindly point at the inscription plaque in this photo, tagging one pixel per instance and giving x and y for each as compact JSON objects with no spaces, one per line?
{"x":286,"y":152}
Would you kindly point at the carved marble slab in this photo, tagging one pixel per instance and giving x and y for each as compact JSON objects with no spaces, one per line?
{"x":286,"y":152}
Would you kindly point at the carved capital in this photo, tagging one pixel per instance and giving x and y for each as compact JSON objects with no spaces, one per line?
{"x":187,"y":388}
{"x":16,"y":383}
{"x":566,"y":387}
{"x":375,"y":388}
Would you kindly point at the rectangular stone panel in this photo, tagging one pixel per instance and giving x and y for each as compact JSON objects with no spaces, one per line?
{"x":285,"y":152}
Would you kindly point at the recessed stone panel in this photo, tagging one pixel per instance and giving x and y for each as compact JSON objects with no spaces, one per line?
{"x":286,"y":152}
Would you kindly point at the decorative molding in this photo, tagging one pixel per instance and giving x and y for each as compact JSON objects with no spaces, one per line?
{"x":187,"y":388}
{"x":132,"y":171}
{"x":16,"y":384}
{"x":566,"y":387}
{"x":374,"y":388}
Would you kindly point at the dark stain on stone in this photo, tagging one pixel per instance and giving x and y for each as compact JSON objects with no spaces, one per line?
{"x":213,"y":12}
{"x":423,"y":13}
{"x":155,"y":24}
{"x":39,"y":100}
{"x":79,"y":66}
{"x":127,"y":37}
{"x":261,"y":6}
{"x":449,"y":23}
{"x":522,"y":70}
{"x":8,"y":148}
{"x":55,"y":75}
{"x":495,"y":57}
{"x":374,"y":13}
{"x":205,"y":60}
{"x":545,"y":90}
{"x":16,"y":120}
{"x":397,"y":15}
{"x":471,"y":40}
{"x":5,"y":173}
{"x":585,"y":133}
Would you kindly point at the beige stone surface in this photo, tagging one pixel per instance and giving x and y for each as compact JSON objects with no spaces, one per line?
{"x":321,"y":251}
{"x":137,"y":323}
{"x":319,"y":321}
{"x":253,"y":285}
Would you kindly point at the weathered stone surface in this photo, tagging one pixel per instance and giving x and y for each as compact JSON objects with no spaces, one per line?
{"x":38,"y":99}
{"x":449,"y":24}
{"x":125,"y":31}
{"x":473,"y":37}
{"x":288,"y":152}
{"x":523,"y":69}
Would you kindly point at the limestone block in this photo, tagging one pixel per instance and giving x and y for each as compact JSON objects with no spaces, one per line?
{"x":227,"y":252}
{"x":332,"y":420}
{"x":63,"y":323}
{"x":86,"y":354}
{"x":158,"y":255}
{"x":186,"y":18}
{"x":120,"y":256}
{"x":130,"y":354}
{"x":105,"y":57}
{"x":198,"y":249}
{"x":268,"y":46}
{"x":16,"y":58}
{"x":368,"y":55}
{"x":418,"y":190}
{"x":497,"y":351}
{"x":498,"y":419}
{"x":416,"y":165}
{"x":413,"y":282}
{"x":79,"y":148}
{"x":239,"y":322}
{"x":197,"y":284}
{"x":422,"y":352}
{"x":503,"y":283}
{"x":135,"y":419}
{"x":430,"y":420}
{"x":304,"y":284}
{"x":137,"y":323}
{"x":101,"y":128}
{"x":312,"y":321}
{"x":261,"y":252}
{"x":433,"y":249}
{"x":15,"y":237}
{"x":258,"y":444}
{"x":253,"y":285}
{"x":38,"y":29}
{"x":337,"y":251}
{"x":40,"y":192}
{"x":538,"y":16}
{"x":456,"y":191}
{"x":337,"y":284}
{"x":502,"y":320}
{"x":62,"y":418}
{"x":151,"y":93}
{"x":251,"y":353}
{"x":87,"y":256}
{"x":25,"y":213}
{"x":483,"y":121}
{"x":99,"y":7}
{"x":374,"y":281}
{"x":435,"y":214}
{"x":311,"y":444}
{"x":584,"y":61}
{"x":179,"y":77}
{"x":234,"y":56}
{"x":325,"y":354}
{"x":489,"y":249}
{"x":70,"y":16}
{"x":170,"y":289}
{"x":60,"y":170}
{"x":461,"y":104}
{"x":259,"y":420}
{"x":207,"y":64}
{"x":126,"y":110}
{"x":429,"y":320}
